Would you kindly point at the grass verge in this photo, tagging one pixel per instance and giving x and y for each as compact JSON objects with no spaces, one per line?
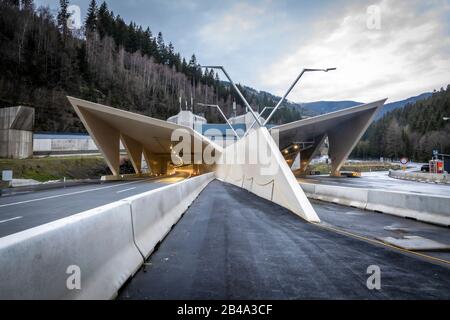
{"x":55,"y":168}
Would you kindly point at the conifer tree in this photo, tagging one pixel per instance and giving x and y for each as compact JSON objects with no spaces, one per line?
{"x":91,"y":18}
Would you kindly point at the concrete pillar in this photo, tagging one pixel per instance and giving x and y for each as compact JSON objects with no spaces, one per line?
{"x":134,"y":150}
{"x":344,"y":137}
{"x":307,"y":155}
{"x":158,"y":164}
{"x":16,"y":136}
{"x":106,"y":137}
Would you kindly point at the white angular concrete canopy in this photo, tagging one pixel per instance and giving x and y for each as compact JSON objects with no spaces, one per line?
{"x":255,"y":163}
{"x":344,"y":128}
{"x":139,"y":134}
{"x":268,"y":175}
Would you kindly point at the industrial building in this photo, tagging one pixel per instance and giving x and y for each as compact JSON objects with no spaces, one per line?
{"x":16,"y":132}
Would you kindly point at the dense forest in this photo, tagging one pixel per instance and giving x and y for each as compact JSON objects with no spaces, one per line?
{"x":108,"y":61}
{"x":413,"y":131}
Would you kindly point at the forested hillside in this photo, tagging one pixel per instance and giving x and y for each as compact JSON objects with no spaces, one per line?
{"x":109,"y":61}
{"x":413,"y":131}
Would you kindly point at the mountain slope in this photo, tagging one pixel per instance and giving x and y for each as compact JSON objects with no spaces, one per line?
{"x":400,"y":104}
{"x":413,"y":131}
{"x":321,"y":107}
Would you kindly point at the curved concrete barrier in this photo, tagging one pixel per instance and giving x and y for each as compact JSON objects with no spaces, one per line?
{"x":155,"y":212}
{"x":34,"y":263}
{"x":420,"y":176}
{"x":427,"y":208}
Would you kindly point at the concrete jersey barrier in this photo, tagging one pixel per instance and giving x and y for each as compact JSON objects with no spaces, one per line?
{"x":155,"y":212}
{"x":34,"y":263}
{"x":354,"y":197}
{"x":426,"y":208}
{"x":101,"y":247}
{"x":421,"y":176}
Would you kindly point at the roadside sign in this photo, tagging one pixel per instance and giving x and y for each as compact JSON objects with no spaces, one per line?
{"x":7,"y":175}
{"x":435,"y":152}
{"x":404,"y":161}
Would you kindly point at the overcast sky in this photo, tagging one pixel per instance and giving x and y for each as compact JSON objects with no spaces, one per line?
{"x":388,"y":48}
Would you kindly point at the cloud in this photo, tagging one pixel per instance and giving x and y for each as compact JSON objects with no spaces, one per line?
{"x":409,"y":54}
{"x":234,"y":28}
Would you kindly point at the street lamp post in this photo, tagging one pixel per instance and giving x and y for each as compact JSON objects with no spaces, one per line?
{"x":257,"y":118}
{"x":236,"y":89}
{"x":223,"y":115}
{"x":254,"y":122}
{"x":290,"y":89}
{"x":446,"y":118}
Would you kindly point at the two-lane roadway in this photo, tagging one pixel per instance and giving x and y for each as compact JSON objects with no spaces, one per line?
{"x":24,"y":211}
{"x":380,"y":180}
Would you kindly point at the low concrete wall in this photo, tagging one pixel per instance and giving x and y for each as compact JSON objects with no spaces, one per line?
{"x":108,"y":244}
{"x":34,"y":262}
{"x":353,"y":197}
{"x":426,"y":208}
{"x":420,"y":176}
{"x":66,"y":145}
{"x":54,"y":144}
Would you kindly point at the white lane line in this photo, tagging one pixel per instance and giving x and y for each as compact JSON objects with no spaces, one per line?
{"x":69,"y":194}
{"x":7,"y":220}
{"x":125,"y":190}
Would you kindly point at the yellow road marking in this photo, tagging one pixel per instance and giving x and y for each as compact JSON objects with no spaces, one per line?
{"x":340,"y":231}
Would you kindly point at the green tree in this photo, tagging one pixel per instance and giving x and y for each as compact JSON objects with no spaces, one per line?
{"x":63,"y":16}
{"x":27,"y":5}
{"x":91,"y":17}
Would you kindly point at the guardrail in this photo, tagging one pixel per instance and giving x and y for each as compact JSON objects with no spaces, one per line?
{"x":426,"y":208}
{"x":90,"y":255}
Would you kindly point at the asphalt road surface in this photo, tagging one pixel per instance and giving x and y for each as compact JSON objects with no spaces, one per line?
{"x":23,"y":211}
{"x":231,"y":244}
{"x":374,"y":225}
{"x":381,"y":180}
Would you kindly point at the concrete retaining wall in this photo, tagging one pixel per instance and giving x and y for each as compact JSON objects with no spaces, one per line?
{"x":426,"y":208}
{"x":107,"y":244}
{"x":420,"y":176}
{"x":44,"y":144}
{"x":64,"y":145}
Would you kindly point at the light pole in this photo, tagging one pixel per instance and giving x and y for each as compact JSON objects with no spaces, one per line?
{"x":237,"y":90}
{"x":260,"y":115}
{"x":223,"y":115}
{"x":446,"y":118}
{"x":290,"y":89}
